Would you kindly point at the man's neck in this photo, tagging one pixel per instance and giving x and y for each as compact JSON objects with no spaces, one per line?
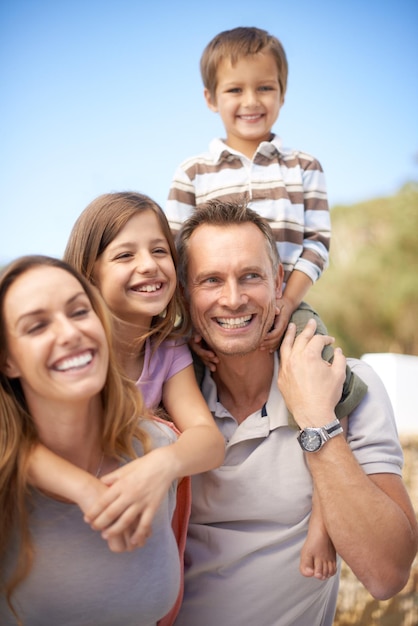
{"x":243,"y":382}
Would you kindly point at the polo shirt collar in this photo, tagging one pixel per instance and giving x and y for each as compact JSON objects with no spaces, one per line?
{"x":220,"y":151}
{"x":274,"y":409}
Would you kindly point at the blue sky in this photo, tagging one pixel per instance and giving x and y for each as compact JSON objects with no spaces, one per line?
{"x":101,"y":96}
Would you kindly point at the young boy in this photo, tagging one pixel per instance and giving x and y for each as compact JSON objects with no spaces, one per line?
{"x":244,"y":73}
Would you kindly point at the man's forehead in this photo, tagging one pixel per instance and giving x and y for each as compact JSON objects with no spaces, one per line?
{"x":222,"y":245}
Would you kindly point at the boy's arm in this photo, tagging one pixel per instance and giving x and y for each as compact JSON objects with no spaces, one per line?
{"x":317,"y":222}
{"x":181,"y":200}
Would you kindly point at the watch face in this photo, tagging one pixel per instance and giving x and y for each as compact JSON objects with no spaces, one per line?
{"x":310,"y":440}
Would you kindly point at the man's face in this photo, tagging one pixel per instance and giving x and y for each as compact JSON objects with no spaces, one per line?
{"x":232,"y":287}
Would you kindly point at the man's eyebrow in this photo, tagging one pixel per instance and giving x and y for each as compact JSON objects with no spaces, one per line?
{"x":41,"y":311}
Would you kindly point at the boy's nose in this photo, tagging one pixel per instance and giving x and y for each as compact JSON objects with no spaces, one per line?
{"x":250,"y":98}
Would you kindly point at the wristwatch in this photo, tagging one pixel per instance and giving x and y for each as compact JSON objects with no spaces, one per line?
{"x":312,"y":439}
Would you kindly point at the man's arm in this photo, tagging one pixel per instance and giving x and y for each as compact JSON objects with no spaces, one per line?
{"x":369,"y":518}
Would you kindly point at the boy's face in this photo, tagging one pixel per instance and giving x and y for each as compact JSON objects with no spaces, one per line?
{"x":248,"y":99}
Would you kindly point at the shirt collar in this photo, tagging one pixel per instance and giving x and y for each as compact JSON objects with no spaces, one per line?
{"x":274,"y":409}
{"x":220,"y":151}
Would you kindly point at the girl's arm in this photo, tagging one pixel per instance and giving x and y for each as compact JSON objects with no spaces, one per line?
{"x":201,"y":446}
{"x":50,"y":472}
{"x":139,"y":487}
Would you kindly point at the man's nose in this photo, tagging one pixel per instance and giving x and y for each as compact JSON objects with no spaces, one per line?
{"x":232,"y":296}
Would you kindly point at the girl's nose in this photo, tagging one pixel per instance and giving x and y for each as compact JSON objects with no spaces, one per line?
{"x":146,"y":263}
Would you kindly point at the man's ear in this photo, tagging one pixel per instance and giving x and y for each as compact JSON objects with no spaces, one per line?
{"x":279,"y":281}
{"x":211,"y":102}
{"x":10,"y":369}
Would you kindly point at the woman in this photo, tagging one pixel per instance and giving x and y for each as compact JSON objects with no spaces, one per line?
{"x":61,"y":386}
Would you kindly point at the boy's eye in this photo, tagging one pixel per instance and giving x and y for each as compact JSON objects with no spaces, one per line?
{"x":234,"y":90}
{"x":265,"y":88}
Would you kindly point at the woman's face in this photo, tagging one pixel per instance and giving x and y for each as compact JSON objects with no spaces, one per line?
{"x":56,"y":344}
{"x":136,"y":273}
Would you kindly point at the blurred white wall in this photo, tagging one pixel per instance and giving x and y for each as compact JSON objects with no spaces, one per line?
{"x":399,"y":373}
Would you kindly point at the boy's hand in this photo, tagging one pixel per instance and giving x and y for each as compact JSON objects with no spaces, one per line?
{"x":134,"y":493}
{"x":273,"y":338}
{"x":208,"y":357}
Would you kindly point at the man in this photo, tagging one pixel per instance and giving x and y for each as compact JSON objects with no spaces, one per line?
{"x":250,"y":517}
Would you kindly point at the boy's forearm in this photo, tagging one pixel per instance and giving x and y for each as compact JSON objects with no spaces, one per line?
{"x":297,"y":287}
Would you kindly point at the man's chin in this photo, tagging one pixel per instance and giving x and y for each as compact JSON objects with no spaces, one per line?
{"x":233,"y":348}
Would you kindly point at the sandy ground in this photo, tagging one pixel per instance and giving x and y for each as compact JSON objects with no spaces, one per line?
{"x":355,"y":605}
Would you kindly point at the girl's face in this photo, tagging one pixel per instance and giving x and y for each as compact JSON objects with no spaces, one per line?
{"x":136,"y":273}
{"x":56,"y":343}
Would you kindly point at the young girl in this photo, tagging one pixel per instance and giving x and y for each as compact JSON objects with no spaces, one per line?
{"x":122,"y":244}
{"x":61,"y":385}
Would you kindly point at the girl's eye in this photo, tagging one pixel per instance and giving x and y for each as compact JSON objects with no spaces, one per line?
{"x":160,"y":251}
{"x":122,"y":256}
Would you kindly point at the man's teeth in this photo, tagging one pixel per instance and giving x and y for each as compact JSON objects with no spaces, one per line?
{"x":74,"y":362}
{"x":233,"y":322}
{"x":149,"y":288}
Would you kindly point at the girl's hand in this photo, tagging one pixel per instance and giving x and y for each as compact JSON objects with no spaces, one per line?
{"x":90,"y":492}
{"x":134,"y":493}
{"x":208,"y":357}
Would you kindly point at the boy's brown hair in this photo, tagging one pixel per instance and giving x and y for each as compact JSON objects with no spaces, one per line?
{"x":237,"y":43}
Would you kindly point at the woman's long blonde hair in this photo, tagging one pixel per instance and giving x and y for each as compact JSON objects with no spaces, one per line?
{"x":122,"y":408}
{"x":98,"y":225}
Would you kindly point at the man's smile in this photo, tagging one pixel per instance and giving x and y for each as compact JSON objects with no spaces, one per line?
{"x":234,"y":322}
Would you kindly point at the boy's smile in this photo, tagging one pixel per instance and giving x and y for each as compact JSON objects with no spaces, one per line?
{"x":248,"y":99}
